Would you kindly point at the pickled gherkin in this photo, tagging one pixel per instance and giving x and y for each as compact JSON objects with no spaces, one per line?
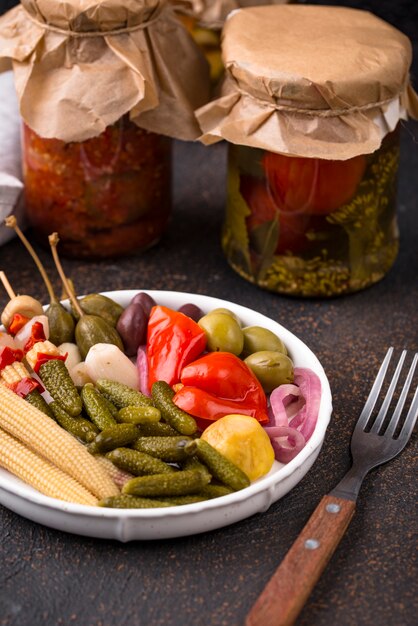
{"x":179,"y":483}
{"x":215,"y":491}
{"x":138,"y":463}
{"x":139,"y":415}
{"x":78,"y":426}
{"x":220,"y":467}
{"x":114,"y":437}
{"x":121,"y":395}
{"x":125,"y":501}
{"x":96,"y":407}
{"x":171,"y":449}
{"x":36,"y":399}
{"x":57,"y":380}
{"x":157,"y":429}
{"x":162,"y":395}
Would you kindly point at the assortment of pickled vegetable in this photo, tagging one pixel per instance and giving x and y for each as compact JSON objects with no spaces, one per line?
{"x":182,"y":405}
{"x":312,"y":227}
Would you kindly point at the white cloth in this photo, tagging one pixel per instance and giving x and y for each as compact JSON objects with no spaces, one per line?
{"x":11,"y":178}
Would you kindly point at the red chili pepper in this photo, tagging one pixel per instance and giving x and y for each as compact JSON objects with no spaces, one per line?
{"x":18,"y":322}
{"x":220,"y":383}
{"x":42,"y":358}
{"x":173,"y":341}
{"x":24,"y":386}
{"x":37,"y":334}
{"x":9,"y":355}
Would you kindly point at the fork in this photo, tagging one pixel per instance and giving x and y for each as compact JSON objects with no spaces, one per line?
{"x":286,"y":592}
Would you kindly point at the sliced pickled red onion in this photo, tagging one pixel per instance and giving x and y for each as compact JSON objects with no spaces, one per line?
{"x":310,"y":388}
{"x":285,"y":402}
{"x":142,"y":367}
{"x":293,"y":414}
{"x":287,"y":442}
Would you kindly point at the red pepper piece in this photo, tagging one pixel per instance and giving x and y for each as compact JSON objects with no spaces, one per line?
{"x":24,"y":386}
{"x":9,"y":355}
{"x":220,"y":383}
{"x":37,"y":334}
{"x":173,"y":341}
{"x":42,"y":358}
{"x":18,"y":322}
{"x":207,"y":406}
{"x":226,"y":376}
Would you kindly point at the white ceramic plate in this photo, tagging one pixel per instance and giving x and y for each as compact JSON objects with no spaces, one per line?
{"x":129,"y":524}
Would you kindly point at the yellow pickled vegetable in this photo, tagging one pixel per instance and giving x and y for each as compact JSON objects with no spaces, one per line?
{"x":244,"y":442}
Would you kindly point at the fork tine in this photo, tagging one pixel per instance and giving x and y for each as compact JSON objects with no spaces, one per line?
{"x":374,"y":392}
{"x":402,"y":398}
{"x":388,"y":398}
{"x":410,"y":421}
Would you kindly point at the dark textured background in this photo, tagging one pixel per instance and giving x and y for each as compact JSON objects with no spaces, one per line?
{"x":54,"y":578}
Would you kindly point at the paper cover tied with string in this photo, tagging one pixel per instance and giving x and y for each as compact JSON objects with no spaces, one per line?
{"x":322,"y":82}
{"x":80,"y":65}
{"x":311,"y":106}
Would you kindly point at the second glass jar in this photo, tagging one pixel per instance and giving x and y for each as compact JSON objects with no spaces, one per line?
{"x":106,"y":196}
{"x":312,"y":227}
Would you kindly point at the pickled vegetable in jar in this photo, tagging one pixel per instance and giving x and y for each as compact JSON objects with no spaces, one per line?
{"x":312,"y":227}
{"x":312,"y":124}
{"x":103,"y":88}
{"x":106,"y":196}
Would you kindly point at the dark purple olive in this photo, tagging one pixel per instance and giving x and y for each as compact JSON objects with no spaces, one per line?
{"x":145,"y":301}
{"x":132,"y":327}
{"x":191,"y":310}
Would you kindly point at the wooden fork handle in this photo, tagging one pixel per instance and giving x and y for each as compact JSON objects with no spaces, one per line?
{"x":286,"y":592}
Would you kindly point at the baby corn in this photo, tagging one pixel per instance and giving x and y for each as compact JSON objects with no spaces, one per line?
{"x":46,"y":347}
{"x":40,"y":473}
{"x":14,"y":373}
{"x":119,"y":476}
{"x":32,"y":427}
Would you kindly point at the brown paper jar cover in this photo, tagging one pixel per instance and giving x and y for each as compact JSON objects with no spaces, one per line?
{"x":81,"y":65}
{"x":322,"y":82}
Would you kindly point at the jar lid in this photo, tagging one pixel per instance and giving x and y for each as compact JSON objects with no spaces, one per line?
{"x":80,"y":66}
{"x":323,"y":82}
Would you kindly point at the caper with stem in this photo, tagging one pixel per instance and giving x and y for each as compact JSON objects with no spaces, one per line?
{"x":61,"y":322}
{"x":90,"y":329}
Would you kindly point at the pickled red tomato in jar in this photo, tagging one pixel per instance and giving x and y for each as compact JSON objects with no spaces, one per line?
{"x":105,"y":196}
{"x":312,"y":227}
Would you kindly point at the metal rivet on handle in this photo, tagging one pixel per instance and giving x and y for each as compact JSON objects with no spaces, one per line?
{"x":333,"y":508}
{"x":312,"y":544}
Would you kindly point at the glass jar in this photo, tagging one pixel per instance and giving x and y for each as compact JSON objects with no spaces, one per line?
{"x":312,"y":227}
{"x":105,"y":196}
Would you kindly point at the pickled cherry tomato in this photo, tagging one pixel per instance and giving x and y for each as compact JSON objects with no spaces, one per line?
{"x":312,"y":186}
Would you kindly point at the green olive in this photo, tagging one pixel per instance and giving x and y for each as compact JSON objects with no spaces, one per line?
{"x":227,"y":312}
{"x":271,"y":368}
{"x":223,"y":333}
{"x":257,"y":339}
